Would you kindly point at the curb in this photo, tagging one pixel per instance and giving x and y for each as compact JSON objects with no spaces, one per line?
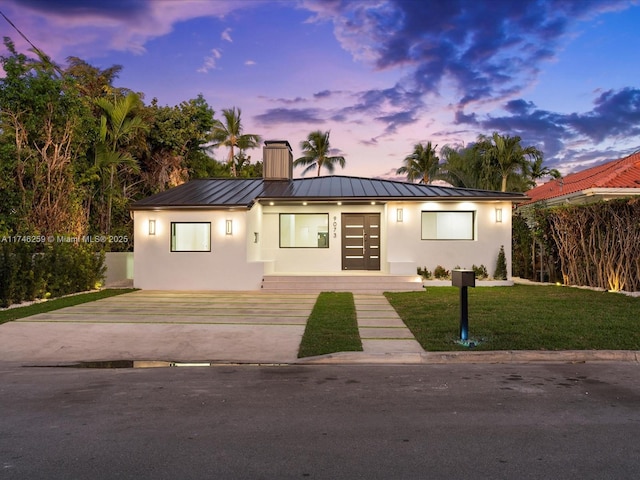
{"x":501,"y":356}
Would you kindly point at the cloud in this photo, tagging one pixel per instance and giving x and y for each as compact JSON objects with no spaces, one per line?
{"x":615,"y":116}
{"x":226,"y":35}
{"x":210,"y":61}
{"x":250,"y":63}
{"x":89,"y":29}
{"x":485,"y":50}
{"x":120,"y":9}
{"x":290,"y":115}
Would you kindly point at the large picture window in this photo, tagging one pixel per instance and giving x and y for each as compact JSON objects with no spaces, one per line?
{"x":450,"y":225}
{"x":304,"y":230}
{"x":190,"y":237}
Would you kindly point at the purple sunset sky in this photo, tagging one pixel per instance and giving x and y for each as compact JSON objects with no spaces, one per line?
{"x":382,"y":75}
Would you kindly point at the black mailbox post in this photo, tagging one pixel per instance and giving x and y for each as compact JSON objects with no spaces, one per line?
{"x":463,"y":279}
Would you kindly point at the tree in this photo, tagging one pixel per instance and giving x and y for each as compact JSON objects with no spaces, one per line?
{"x":42,"y":136}
{"x":176,"y":144}
{"x":119,"y":125}
{"x":315,"y":151}
{"x":537,"y":171}
{"x":229,"y":134}
{"x":507,"y":155}
{"x":93,"y":82}
{"x":422,"y":164}
{"x":501,"y":265}
{"x":462,"y":167}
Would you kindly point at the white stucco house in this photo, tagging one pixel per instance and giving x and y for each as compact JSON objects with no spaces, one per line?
{"x":250,"y":234}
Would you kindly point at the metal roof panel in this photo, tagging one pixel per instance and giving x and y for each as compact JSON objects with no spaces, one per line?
{"x":236,"y":192}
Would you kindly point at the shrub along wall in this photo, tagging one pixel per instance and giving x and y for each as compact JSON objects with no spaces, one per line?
{"x":32,"y":270}
{"x":599,"y":244}
{"x":596,"y":245}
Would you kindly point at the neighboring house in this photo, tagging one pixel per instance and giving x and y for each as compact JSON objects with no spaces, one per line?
{"x":616,"y":179}
{"x":230,"y":234}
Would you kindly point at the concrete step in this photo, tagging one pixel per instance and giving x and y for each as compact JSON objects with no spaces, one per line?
{"x":372,"y":284}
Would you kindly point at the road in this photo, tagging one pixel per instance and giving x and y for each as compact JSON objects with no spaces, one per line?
{"x":520,"y":421}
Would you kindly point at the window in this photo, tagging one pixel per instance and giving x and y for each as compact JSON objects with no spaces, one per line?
{"x":447,"y":225}
{"x":190,"y":237}
{"x":304,"y":230}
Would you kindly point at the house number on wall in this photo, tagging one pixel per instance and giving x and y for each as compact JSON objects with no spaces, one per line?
{"x":335,"y":226}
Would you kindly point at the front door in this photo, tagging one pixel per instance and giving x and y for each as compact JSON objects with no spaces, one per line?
{"x":361,"y":241}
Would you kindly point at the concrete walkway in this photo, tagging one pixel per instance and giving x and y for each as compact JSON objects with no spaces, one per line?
{"x":381,"y":329}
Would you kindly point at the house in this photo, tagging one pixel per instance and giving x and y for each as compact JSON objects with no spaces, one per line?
{"x":245,"y":234}
{"x":616,"y":179}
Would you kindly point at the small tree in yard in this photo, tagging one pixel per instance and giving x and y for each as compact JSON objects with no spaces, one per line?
{"x":501,"y":265}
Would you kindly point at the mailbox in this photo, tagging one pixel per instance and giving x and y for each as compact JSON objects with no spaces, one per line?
{"x":463,"y":278}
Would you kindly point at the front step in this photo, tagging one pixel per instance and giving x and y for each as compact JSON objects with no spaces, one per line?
{"x":341,"y":283}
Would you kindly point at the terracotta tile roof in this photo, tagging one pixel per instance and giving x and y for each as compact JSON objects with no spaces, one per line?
{"x":622,"y":173}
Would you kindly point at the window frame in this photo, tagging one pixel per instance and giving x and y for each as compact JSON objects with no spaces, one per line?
{"x":172,"y":236}
{"x":436,"y":212}
{"x":280,"y":215}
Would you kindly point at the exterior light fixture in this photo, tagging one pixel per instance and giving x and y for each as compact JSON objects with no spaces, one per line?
{"x":399,"y":215}
{"x":152,"y":227}
{"x":256,"y":237}
{"x":373,"y":203}
{"x":339,"y":203}
{"x":498,"y":215}
{"x":304,"y":203}
{"x":229,"y":227}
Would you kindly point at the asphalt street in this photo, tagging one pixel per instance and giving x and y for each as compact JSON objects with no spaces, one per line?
{"x":483,"y":421}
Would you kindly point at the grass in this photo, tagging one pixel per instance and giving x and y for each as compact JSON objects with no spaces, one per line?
{"x":55,"y":304}
{"x":332,"y":326}
{"x":522,"y":317}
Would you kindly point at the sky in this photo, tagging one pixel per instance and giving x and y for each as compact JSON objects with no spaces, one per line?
{"x":380,"y":75}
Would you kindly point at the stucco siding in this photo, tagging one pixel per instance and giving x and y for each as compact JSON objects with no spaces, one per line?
{"x":225,"y":267}
{"x":407,"y":250}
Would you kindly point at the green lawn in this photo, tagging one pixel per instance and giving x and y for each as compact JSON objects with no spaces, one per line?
{"x":55,"y":304}
{"x":332,"y":326}
{"x":522,"y":318}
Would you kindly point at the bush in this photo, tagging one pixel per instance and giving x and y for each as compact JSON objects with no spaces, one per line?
{"x":501,"y":265}
{"x":424,"y":273}
{"x":480,"y":272}
{"x":441,"y":273}
{"x":58,"y":269}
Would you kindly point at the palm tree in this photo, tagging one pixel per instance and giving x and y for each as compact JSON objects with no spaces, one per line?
{"x":315,"y":149}
{"x":422,"y":164}
{"x":119,"y":125}
{"x":505,"y":153}
{"x":229,"y":134}
{"x":461,"y":166}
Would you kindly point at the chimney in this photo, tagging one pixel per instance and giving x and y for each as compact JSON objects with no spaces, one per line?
{"x":277,"y":160}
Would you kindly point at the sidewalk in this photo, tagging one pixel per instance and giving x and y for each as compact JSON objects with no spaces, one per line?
{"x":381,"y":329}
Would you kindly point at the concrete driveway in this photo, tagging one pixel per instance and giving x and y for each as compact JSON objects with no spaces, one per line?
{"x":251,"y":327}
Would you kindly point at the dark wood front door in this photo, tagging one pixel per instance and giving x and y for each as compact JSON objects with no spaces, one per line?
{"x":361,"y":241}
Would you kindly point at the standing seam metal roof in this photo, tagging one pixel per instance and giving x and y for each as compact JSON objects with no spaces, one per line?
{"x":237,"y":192}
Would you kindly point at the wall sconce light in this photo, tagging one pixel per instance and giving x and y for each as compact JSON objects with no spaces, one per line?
{"x":152,"y":227}
{"x":256,"y":237}
{"x":229,"y":227}
{"x":498,"y":215}
{"x":399,"y":215}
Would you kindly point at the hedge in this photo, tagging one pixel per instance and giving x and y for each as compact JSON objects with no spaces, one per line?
{"x":30,"y":271}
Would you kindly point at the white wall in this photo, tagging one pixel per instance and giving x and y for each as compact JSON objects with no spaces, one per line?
{"x":238,"y":262}
{"x":406,"y":250}
{"x":224,"y":268}
{"x":119,"y":268}
{"x":298,"y":260}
